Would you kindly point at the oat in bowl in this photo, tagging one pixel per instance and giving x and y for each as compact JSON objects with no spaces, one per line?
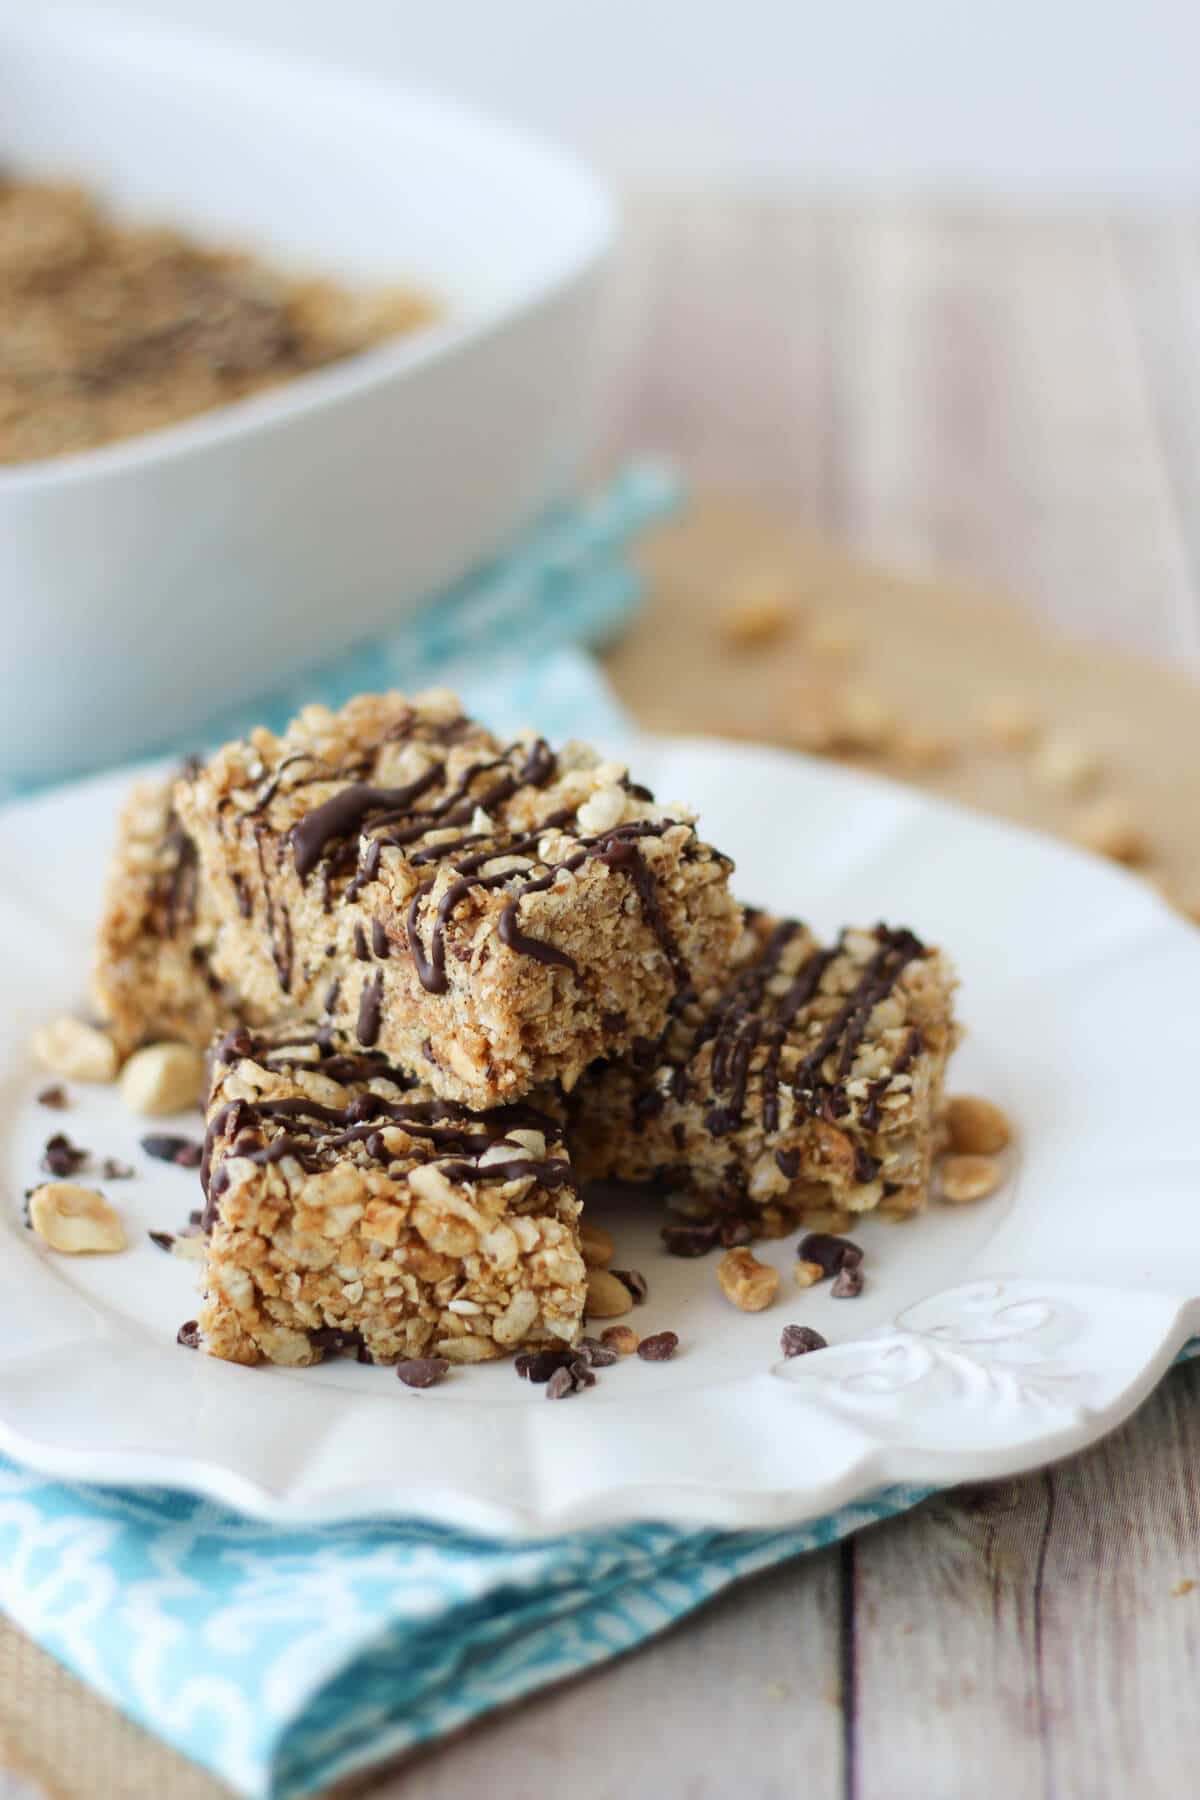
{"x":109,"y":329}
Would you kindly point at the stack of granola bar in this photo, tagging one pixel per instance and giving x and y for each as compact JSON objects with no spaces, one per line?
{"x":449,"y":978}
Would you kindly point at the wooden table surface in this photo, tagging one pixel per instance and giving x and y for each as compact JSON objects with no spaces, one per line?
{"x":1014,"y":399}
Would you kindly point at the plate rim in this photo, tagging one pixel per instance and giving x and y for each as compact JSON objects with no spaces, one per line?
{"x":1033,"y":1421}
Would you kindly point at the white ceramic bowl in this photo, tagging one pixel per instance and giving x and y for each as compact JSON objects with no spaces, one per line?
{"x":145,"y":583}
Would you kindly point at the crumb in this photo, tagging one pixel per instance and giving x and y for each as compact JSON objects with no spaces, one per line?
{"x":757,"y":614}
{"x":1009,"y":722}
{"x":1108,"y":830}
{"x":834,"y":635}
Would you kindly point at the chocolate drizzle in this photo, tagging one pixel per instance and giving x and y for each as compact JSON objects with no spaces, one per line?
{"x":876,"y":1091}
{"x":744,"y":1020}
{"x":350,"y":830}
{"x":347,"y":811}
{"x":244,"y":903}
{"x":370,"y":1009}
{"x":315,"y":1134}
{"x":847,"y":1028}
{"x":621,"y":852}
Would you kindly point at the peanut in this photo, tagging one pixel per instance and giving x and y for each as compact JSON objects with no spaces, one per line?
{"x":163,"y":1078}
{"x":1009,"y":722}
{"x":621,"y":1338}
{"x":78,"y":1051}
{"x":607,"y":1298}
{"x":750,"y":1284}
{"x":77,"y":1221}
{"x":976,"y":1126}
{"x":1109,"y":831}
{"x":1064,"y":763}
{"x":919,"y":748}
{"x":863,"y":720}
{"x":596,"y":1245}
{"x":757,"y":613}
{"x":967,"y":1178}
{"x":834,"y":635}
{"x":808,"y":1274}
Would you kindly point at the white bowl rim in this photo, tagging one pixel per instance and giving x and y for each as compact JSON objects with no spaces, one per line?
{"x":317,"y":389}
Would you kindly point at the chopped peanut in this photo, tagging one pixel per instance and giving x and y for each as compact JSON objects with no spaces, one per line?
{"x":750,"y":1284}
{"x":1009,"y":722}
{"x":918,"y":748}
{"x":596,"y":1245}
{"x":607,"y":1298}
{"x":834,"y":635}
{"x":1062,"y":762}
{"x":621,"y":1338}
{"x":78,"y":1051}
{"x":757,"y":614}
{"x":976,"y":1126}
{"x":967,"y":1178}
{"x":863,"y":720}
{"x":77,"y":1221}
{"x":1109,"y":831}
{"x":163,"y":1078}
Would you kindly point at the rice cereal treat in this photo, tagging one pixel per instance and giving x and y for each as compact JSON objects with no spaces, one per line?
{"x":811,"y":1078}
{"x":490,"y":915}
{"x":349,"y":1209}
{"x":152,"y":974}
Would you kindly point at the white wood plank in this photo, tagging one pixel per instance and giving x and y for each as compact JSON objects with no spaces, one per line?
{"x":945,"y":1701}
{"x":943,"y":390}
{"x":1118,"y":1635}
{"x":1159,"y":259}
{"x":1038,"y":1637}
{"x":725,"y":363}
{"x":741,"y":1700}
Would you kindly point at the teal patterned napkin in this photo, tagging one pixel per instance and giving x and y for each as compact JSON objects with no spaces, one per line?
{"x":286,"y":1659}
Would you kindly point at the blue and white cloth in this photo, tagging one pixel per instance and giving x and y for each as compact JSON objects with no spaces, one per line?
{"x":284,"y":1660}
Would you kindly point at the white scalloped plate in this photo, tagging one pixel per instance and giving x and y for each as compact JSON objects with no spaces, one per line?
{"x":989,"y":1339}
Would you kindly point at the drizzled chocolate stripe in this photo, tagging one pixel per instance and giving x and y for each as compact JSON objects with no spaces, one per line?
{"x":846,"y":1029}
{"x":370,"y":1010}
{"x":316,"y":1132}
{"x":912,"y":1049}
{"x":620,"y":852}
{"x":183,"y":883}
{"x":281,"y":962}
{"x":366,"y":872}
{"x":431,"y":965}
{"x":802,"y":990}
{"x":285,"y":951}
{"x":346,"y":812}
{"x":738,"y":1025}
{"x":272,"y":1053}
{"x":736,"y":1011}
{"x":265,"y":795}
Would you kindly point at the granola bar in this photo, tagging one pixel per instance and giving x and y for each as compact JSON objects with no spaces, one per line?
{"x":494,"y":916}
{"x":810,"y":1078}
{"x":349,"y":1209}
{"x":152,"y":971}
